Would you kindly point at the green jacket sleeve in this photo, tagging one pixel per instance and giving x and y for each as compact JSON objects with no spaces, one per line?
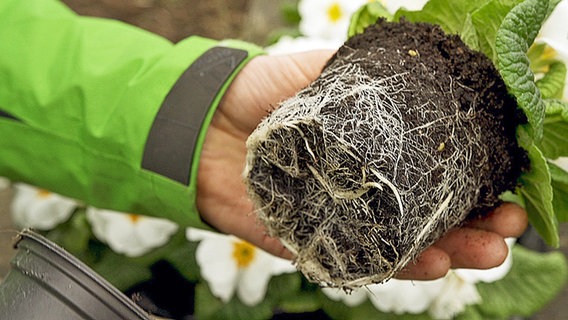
{"x":107,"y":113}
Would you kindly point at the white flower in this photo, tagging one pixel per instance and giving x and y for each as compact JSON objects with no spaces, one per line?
{"x":554,"y":32}
{"x":40,"y":209}
{"x":413,"y":5}
{"x":405,"y":296}
{"x":442,"y":298}
{"x":396,"y":296}
{"x":459,"y":288}
{"x":562,"y":162}
{"x":230,"y":264}
{"x":287,"y":44}
{"x":351,"y":299}
{"x":454,"y":297}
{"x":327,"y":19}
{"x":130,"y":234}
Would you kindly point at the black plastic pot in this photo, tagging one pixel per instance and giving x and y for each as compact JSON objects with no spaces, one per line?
{"x":46,"y":282}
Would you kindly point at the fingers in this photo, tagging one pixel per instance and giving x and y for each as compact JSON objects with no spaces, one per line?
{"x":460,"y":248}
{"x":254,"y":232}
{"x":478,"y":245}
{"x":244,"y":225}
{"x":508,"y":220}
{"x":473,"y":248}
{"x":432,"y":264}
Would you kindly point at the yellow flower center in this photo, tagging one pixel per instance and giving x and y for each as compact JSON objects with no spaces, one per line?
{"x":243,"y":253}
{"x":42,"y":193}
{"x":133,"y":218}
{"x":549,"y":53}
{"x":334,"y":12}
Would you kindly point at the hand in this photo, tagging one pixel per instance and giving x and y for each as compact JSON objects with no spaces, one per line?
{"x":480,"y":244}
{"x":221,"y":193}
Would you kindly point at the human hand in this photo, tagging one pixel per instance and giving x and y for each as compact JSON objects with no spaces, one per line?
{"x":221,"y":194}
{"x":479,"y":244}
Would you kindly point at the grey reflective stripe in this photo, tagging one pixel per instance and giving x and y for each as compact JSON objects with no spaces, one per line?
{"x":171,"y":142}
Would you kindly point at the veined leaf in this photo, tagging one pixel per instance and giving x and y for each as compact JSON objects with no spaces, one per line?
{"x":560,"y":187}
{"x":517,"y":32}
{"x":554,"y":143}
{"x":534,"y":280}
{"x":537,"y":192}
{"x":469,"y":33}
{"x":487,"y":19}
{"x":449,"y":14}
{"x":551,"y":85}
{"x":366,"y":16}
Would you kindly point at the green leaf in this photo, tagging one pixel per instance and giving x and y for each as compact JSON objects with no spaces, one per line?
{"x":74,"y":234}
{"x":300,"y":302}
{"x":366,"y":310}
{"x":537,"y":192}
{"x":303,"y":298}
{"x":551,"y":5}
{"x":534,"y":280}
{"x":471,"y":312}
{"x":182,"y":258}
{"x":514,"y":37}
{"x":509,"y":196}
{"x":289,"y":12}
{"x":487,"y":19}
{"x":367,"y":15}
{"x":283,"y":286}
{"x":209,"y":307}
{"x":469,"y":33}
{"x":121,"y":271}
{"x":124,"y":272}
{"x":551,"y":85}
{"x":449,"y":14}
{"x":560,"y":187}
{"x":476,"y":22}
{"x":554,"y":143}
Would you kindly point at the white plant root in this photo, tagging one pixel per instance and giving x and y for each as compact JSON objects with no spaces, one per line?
{"x":350,"y":186}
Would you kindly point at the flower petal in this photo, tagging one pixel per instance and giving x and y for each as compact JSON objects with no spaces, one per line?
{"x":155,"y":232}
{"x":554,"y":31}
{"x":412,"y":5}
{"x":454,"y":298}
{"x":214,"y":256}
{"x":128,"y":234}
{"x":280,"y":266}
{"x":36,"y":208}
{"x":194,"y":234}
{"x":352,"y":299}
{"x":254,"y":279}
{"x":287,"y":44}
{"x":327,"y":19}
{"x":405,"y":296}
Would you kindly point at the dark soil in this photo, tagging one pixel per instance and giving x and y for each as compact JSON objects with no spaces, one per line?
{"x":441,"y":61}
{"x":458,"y":133}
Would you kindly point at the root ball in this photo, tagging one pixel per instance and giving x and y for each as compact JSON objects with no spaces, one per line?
{"x":384,"y":153}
